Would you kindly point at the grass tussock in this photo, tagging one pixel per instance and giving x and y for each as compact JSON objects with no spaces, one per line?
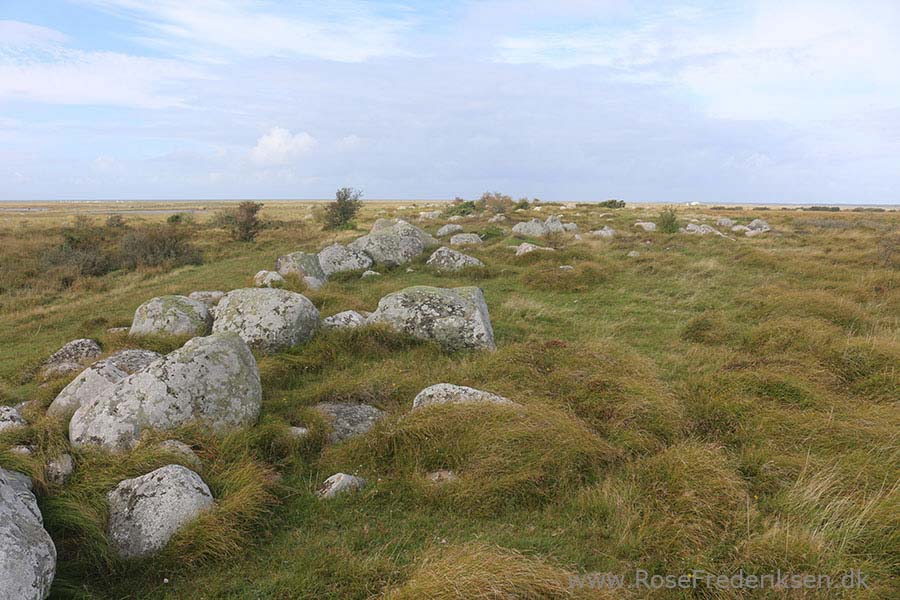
{"x":505,"y":456}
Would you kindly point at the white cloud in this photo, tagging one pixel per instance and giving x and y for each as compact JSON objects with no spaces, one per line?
{"x":280,"y":147}
{"x":20,"y":35}
{"x":210,"y":29}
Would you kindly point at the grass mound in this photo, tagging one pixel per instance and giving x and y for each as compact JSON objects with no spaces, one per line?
{"x":505,"y":456}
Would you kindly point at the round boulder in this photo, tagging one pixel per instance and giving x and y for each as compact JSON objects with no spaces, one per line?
{"x":449,"y":229}
{"x":348,"y":419}
{"x":465,"y":239}
{"x":71,"y":358}
{"x":27,"y":554}
{"x":210,"y":380}
{"x":268,"y":319}
{"x":447,"y":260}
{"x":145,"y":512}
{"x":171,"y":315}
{"x":393,"y":244}
{"x":337,"y":258}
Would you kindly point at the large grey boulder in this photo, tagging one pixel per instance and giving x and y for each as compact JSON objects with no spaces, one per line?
{"x":268,"y":319}
{"x":448,"y":260}
{"x":145,"y":512}
{"x":532,"y":228}
{"x":455,"y":318}
{"x":449,"y":229}
{"x":27,"y":554}
{"x":10,"y":418}
{"x":447,"y":393}
{"x":71,"y":358}
{"x":348,"y":419}
{"x":337,"y":258}
{"x":210,"y":380}
{"x":99,"y":379}
{"x":301,"y":264}
{"x":171,"y":315}
{"x":554,"y":225}
{"x":395,"y":244}
{"x":757,"y":227}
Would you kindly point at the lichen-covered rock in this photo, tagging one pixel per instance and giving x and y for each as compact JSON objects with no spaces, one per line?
{"x":525,"y":248}
{"x":465,"y":239}
{"x":27,"y":554}
{"x":497,"y":219}
{"x":145,"y":512}
{"x":171,"y":315}
{"x":704,"y":229}
{"x":269,"y":319}
{"x":393,"y":245}
{"x":553,"y":224}
{"x":10,"y":418}
{"x":447,"y":393}
{"x":449,"y":229}
{"x":209,"y":298}
{"x":268,"y":279}
{"x":447,"y":260}
{"x":605,"y":232}
{"x":724,"y":222}
{"x":532,"y":228}
{"x":59,"y":469}
{"x":348,"y":419}
{"x":757,"y":227}
{"x":429,"y":214}
{"x":646,"y":225}
{"x":71,"y":358}
{"x":340,"y":483}
{"x":99,"y":379}
{"x":183,"y":450}
{"x":337,"y":258}
{"x":570,"y":227}
{"x":347,"y":319}
{"x":301,"y":264}
{"x":455,"y":318}
{"x":210,"y":380}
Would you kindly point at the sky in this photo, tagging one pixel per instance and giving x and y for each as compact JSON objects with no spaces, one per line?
{"x":767,"y":101}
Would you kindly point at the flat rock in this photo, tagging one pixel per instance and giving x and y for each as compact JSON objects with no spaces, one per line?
{"x":456,"y":318}
{"x":337,"y":258}
{"x":646,"y":225}
{"x":340,"y":483}
{"x":71,"y":358}
{"x":301,"y":264}
{"x":526,"y":247}
{"x":605,"y":232}
{"x":532,"y":228}
{"x":210,"y":380}
{"x":145,"y":512}
{"x":347,"y":319}
{"x":449,"y":229}
{"x":171,"y":315}
{"x":99,"y":379}
{"x":465,"y":239}
{"x":268,"y":319}
{"x":27,"y":554}
{"x":268,"y":279}
{"x":348,"y":419}
{"x":447,"y":260}
{"x":448,"y":393}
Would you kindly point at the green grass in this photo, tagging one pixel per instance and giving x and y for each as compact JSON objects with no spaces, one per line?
{"x":714,"y":403}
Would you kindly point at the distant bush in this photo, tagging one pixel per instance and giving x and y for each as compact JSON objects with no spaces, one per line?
{"x":85,"y":249}
{"x":612,"y":204}
{"x":157,"y":246}
{"x":461,"y":209}
{"x":523,"y":204}
{"x":868,"y":209}
{"x":492,"y":232}
{"x":116,"y":222}
{"x":888,"y":249}
{"x":340,"y":213}
{"x":246,"y":225}
{"x":667,"y":222}
{"x":179,"y":218}
{"x":821,"y":208}
{"x":494,"y":202}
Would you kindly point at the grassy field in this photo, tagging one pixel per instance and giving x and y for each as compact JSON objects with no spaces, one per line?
{"x":715,"y":404}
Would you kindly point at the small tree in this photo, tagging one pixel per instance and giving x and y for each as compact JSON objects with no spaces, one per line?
{"x":668,"y":221}
{"x":340,"y":213}
{"x":246,"y":224}
{"x":494,"y":202}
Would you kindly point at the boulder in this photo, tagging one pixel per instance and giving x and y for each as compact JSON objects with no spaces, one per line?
{"x":182,"y":449}
{"x":268,"y":319}
{"x":694,"y":229}
{"x":497,"y":219}
{"x":605,"y":232}
{"x":337,"y":259}
{"x":268,"y":279}
{"x":301,"y":264}
{"x":347,"y":319}
{"x":553,"y":224}
{"x":348,"y":419}
{"x":27,"y":554}
{"x":340,"y":483}
{"x":465,"y":239}
{"x":447,"y":393}
{"x":99,"y":379}
{"x":209,"y":298}
{"x":210,"y":380}
{"x":532,"y":228}
{"x":738,"y":228}
{"x":10,"y":418}
{"x":71,"y":358}
{"x":449,"y":229}
{"x":394,"y":245}
{"x":455,"y":318}
{"x":646,"y":225}
{"x":145,"y":512}
{"x":430,"y":214}
{"x":60,"y":469}
{"x":724,"y":222}
{"x":369,"y":274}
{"x":525,"y":248}
{"x":447,"y":260}
{"x":171,"y":315}
{"x":757,"y":227}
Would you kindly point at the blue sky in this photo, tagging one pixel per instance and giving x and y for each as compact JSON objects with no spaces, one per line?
{"x":664,"y":101}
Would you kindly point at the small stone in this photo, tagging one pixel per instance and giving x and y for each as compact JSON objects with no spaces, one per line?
{"x":448,"y":393}
{"x":526,"y":247}
{"x":268,"y":279}
{"x":605,"y":232}
{"x":340,"y":483}
{"x":10,"y":418}
{"x":60,"y":469}
{"x":348,"y":419}
{"x":298,"y":432}
{"x":370,"y":274}
{"x":646,"y":225}
{"x":210,"y":298}
{"x":566,"y":267}
{"x":633,"y":254}
{"x":337,"y":258}
{"x":347,"y":319}
{"x":449,"y":229}
{"x":179,"y":447}
{"x":446,"y":259}
{"x":465,"y":239}
{"x":442,"y":476}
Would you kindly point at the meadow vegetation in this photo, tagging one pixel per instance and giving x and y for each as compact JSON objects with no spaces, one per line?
{"x":712,"y":403}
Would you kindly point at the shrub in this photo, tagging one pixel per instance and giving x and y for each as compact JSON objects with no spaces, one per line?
{"x":116,"y":222}
{"x":340,"y":213}
{"x":888,"y":250}
{"x":246,"y":224}
{"x":460,"y":209}
{"x":495,"y":202}
{"x":667,"y":220}
{"x":179,"y":218}
{"x":612,"y":204}
{"x":156,"y":246}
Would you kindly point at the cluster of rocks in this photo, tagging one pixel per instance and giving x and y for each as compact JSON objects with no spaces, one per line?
{"x":538,"y":228}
